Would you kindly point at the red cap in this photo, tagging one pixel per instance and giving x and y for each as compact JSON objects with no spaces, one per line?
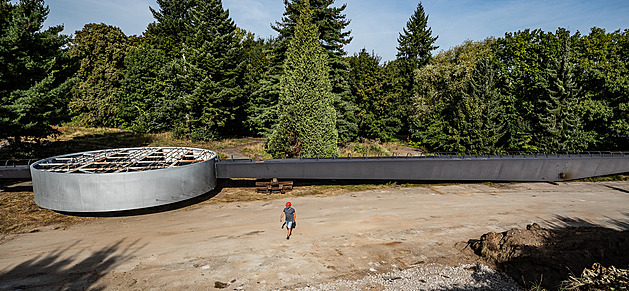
{"x":288,"y":204}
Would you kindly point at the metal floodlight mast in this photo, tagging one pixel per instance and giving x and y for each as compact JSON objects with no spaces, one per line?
{"x":122,"y":179}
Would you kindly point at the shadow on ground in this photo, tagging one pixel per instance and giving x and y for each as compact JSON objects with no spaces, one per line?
{"x":60,"y":271}
{"x":162,"y":208}
{"x":547,"y":256}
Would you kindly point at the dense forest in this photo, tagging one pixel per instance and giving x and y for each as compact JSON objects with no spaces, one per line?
{"x":195,"y":73}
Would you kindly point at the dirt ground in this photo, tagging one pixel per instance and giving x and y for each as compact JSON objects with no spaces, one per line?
{"x":241,"y":245}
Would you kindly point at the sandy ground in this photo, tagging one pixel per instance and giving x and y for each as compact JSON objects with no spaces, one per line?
{"x":242,"y":245}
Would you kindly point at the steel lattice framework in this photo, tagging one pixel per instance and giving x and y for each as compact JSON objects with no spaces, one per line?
{"x":125,"y":160}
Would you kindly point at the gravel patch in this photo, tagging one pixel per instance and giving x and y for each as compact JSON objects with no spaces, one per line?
{"x":428,"y":277}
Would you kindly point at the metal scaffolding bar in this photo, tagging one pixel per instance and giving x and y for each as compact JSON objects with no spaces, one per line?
{"x":125,"y":160}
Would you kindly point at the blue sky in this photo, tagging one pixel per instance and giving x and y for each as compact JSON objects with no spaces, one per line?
{"x":375,"y":24}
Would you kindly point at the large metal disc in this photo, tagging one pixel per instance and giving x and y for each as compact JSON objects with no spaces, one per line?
{"x":122,"y":179}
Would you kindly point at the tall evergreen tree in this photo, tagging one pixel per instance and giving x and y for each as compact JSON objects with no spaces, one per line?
{"x":526,"y":58}
{"x":331,"y":23}
{"x":416,"y":43}
{"x":202,"y":74}
{"x":559,"y":123}
{"x":212,"y":69}
{"x":34,"y":70}
{"x":602,"y":71}
{"x":152,"y":86}
{"x":480,"y":115}
{"x":414,"y":48}
{"x":307,"y":124}
{"x":142,"y":91}
{"x":100,"y":49}
{"x":169,"y":31}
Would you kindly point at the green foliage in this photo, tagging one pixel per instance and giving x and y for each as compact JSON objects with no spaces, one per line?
{"x":331,"y":22}
{"x":146,"y":108}
{"x":254,"y":54}
{"x":378,"y":112}
{"x":170,"y":31}
{"x":414,"y":52}
{"x":195,"y":73}
{"x":211,"y":86}
{"x":481,"y":115}
{"x":307,"y":124}
{"x":262,"y":110}
{"x":601,"y":68}
{"x":459,"y":106}
{"x":416,"y":42}
{"x":560,"y":126}
{"x":34,"y":70}
{"x":100,"y":50}
{"x":192,"y":69}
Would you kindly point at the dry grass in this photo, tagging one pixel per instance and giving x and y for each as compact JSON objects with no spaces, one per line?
{"x":256,"y":149}
{"x":243,"y":190}
{"x":19,"y":213}
{"x":599,"y":278}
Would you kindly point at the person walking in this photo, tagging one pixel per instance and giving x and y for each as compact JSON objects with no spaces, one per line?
{"x":290,"y":218}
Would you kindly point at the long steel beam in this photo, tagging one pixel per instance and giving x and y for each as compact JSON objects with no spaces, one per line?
{"x":425,"y":168}
{"x":15,"y":172}
{"x":433,"y":168}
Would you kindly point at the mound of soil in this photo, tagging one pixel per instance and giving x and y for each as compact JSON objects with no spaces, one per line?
{"x":546,"y":257}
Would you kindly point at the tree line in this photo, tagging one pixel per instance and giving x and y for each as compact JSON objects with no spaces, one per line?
{"x":196,"y":73}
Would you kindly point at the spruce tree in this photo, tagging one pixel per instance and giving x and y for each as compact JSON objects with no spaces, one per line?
{"x":480,"y":114}
{"x":416,"y":43}
{"x":414,"y":51}
{"x":143,"y":89}
{"x":169,"y":31}
{"x":559,"y":123}
{"x":202,"y":77}
{"x":34,"y":71}
{"x":212,"y":73}
{"x":331,"y":23}
{"x":307,"y":118}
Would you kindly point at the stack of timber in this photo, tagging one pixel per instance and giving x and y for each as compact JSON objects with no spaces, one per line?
{"x":274,"y":186}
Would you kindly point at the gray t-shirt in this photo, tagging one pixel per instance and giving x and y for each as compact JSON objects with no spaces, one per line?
{"x":290,"y":213}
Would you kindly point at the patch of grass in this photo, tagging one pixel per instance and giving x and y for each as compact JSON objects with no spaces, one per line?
{"x":369,"y":148}
{"x":611,"y":178}
{"x":256,"y":149}
{"x":19,"y":213}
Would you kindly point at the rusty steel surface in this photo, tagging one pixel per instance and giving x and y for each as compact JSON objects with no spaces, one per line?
{"x":122,"y":179}
{"x":512,"y":167}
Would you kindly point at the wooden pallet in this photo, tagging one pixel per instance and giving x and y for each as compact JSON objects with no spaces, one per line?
{"x":274,"y":186}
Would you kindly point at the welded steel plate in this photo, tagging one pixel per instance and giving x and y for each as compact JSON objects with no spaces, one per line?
{"x":502,"y":168}
{"x":122,"y":179}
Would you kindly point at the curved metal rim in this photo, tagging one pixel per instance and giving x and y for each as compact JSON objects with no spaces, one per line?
{"x":33,"y":166}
